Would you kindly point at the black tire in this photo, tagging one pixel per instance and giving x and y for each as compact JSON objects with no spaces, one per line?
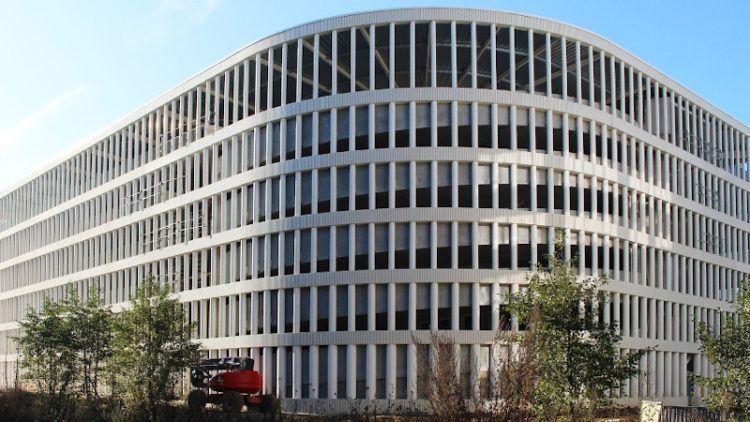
{"x":197,"y":400}
{"x":232,"y":402}
{"x":269,"y":404}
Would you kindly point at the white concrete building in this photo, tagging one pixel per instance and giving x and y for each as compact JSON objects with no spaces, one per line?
{"x":324,"y":193}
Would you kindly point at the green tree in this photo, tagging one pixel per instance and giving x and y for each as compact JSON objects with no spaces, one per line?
{"x":151,"y":348}
{"x":63,"y":347}
{"x":576,"y":353}
{"x":91,"y":324}
{"x":729,"y":351}
{"x":48,"y":356}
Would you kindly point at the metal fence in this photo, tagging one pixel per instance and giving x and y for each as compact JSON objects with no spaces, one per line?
{"x":688,"y":414}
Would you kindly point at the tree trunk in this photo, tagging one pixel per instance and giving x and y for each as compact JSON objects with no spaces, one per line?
{"x":572,"y":411}
{"x":152,"y":405}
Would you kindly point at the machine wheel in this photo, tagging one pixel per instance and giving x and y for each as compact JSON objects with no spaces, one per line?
{"x":196,"y":400}
{"x":269,"y":404}
{"x":232,"y":402}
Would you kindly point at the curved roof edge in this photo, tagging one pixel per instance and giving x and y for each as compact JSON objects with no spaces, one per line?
{"x":381,"y":15}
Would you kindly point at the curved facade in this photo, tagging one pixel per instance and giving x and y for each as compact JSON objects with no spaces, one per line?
{"x":324,"y":195}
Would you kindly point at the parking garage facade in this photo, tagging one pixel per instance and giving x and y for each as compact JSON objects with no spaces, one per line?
{"x":327,"y":195}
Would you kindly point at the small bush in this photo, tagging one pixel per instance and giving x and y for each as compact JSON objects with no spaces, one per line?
{"x":19,"y":405}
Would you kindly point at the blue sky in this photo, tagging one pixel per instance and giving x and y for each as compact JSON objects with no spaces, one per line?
{"x":67,"y":69}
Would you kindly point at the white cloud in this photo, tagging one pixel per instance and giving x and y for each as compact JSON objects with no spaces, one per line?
{"x":195,"y":10}
{"x":37,"y":119}
{"x":173,"y":18}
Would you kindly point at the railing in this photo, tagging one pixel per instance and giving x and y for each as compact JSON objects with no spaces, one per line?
{"x":688,"y":414}
{"x":176,"y":232}
{"x":186,"y":133}
{"x":708,"y":194}
{"x":699,"y":145}
{"x":158,"y":192}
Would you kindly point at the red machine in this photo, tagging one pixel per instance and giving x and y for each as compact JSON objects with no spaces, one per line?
{"x":236,"y":385}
